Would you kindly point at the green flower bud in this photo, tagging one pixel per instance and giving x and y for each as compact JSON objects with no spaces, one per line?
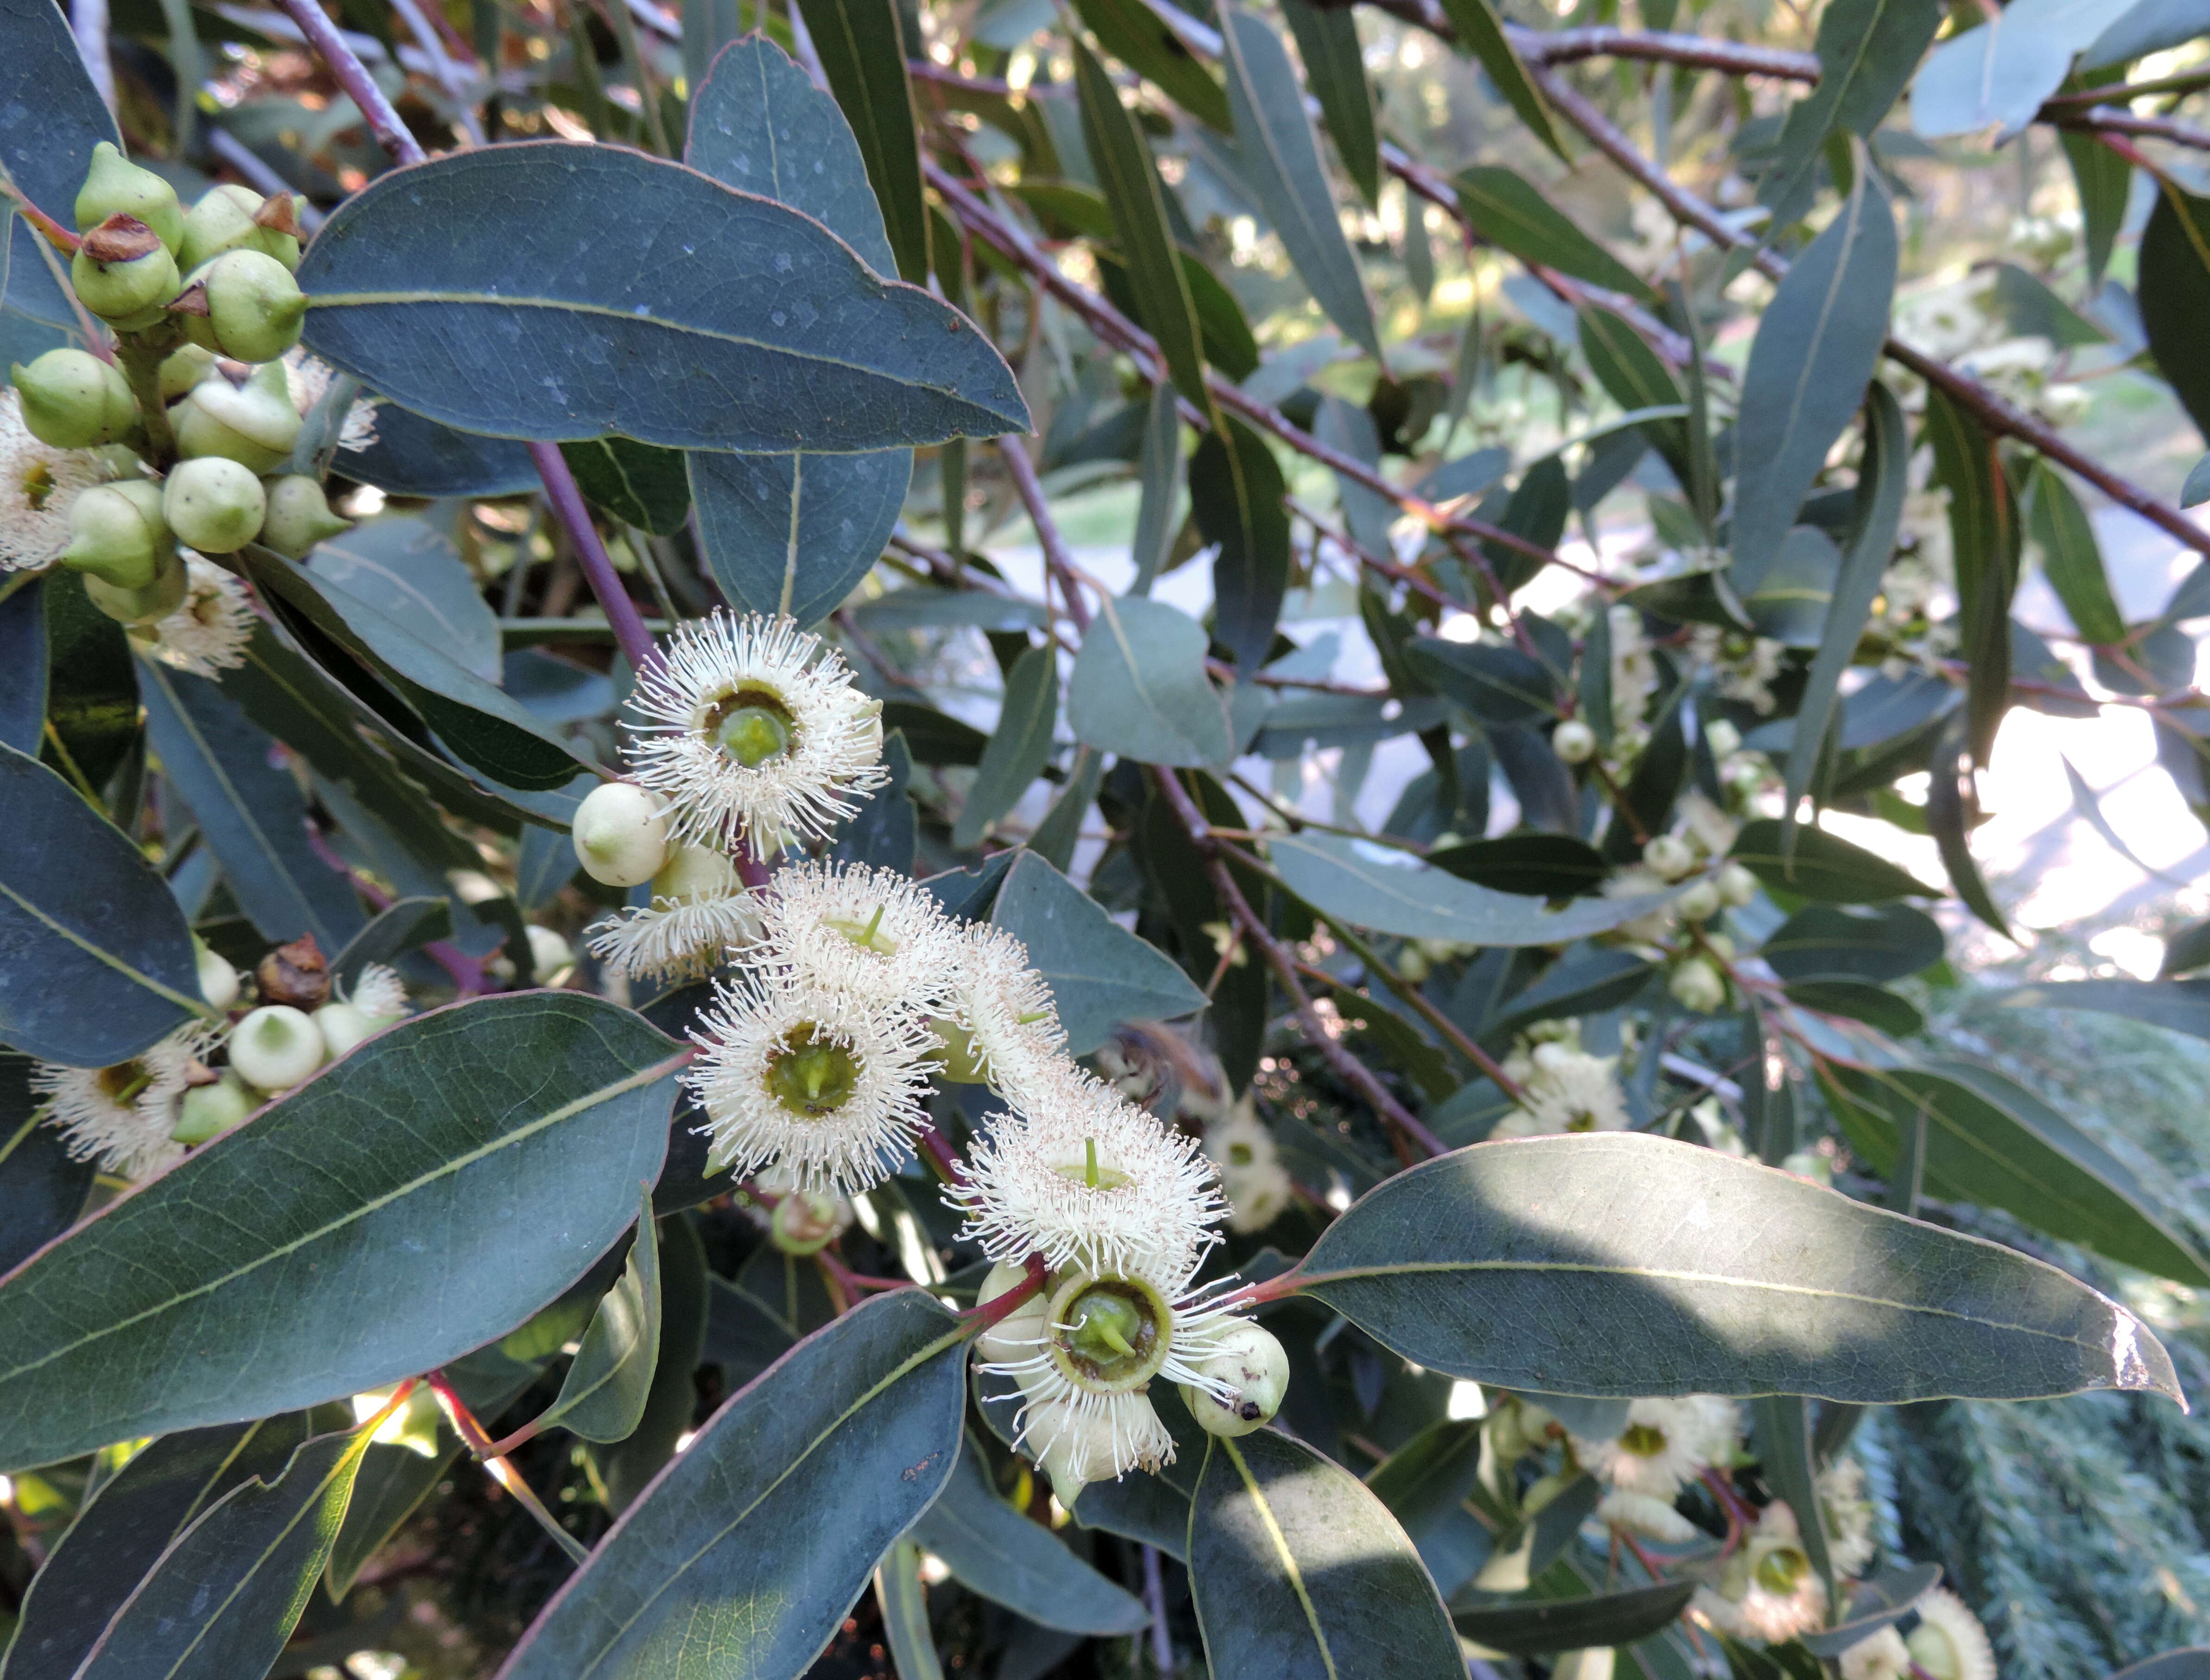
{"x":214,"y":504}
{"x":116,"y":186}
{"x":117,"y":535}
{"x":1249,"y":1359}
{"x":208,"y":1111}
{"x":620,"y":835}
{"x":73,"y":400}
{"x":1573,"y":741}
{"x":185,"y":369}
{"x":235,"y":218}
{"x":277,"y":1047}
{"x":251,"y":423}
{"x":254,"y":307}
{"x":299,"y":517}
{"x":218,"y":980}
{"x":156,"y":600}
{"x":124,"y":274}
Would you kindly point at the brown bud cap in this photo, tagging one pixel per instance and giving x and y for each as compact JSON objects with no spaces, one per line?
{"x":297,"y":973}
{"x":121,"y":238}
{"x":278,"y":214}
{"x":192,"y":300}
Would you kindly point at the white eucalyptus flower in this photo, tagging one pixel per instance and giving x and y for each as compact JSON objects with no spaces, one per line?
{"x":1086,"y":1179}
{"x":752,"y":729}
{"x":1949,"y":1643}
{"x":121,"y":1117}
{"x":209,"y":633}
{"x":700,"y":908}
{"x":1665,"y":1443}
{"x":38,"y":483}
{"x":872,"y":933}
{"x":827,"y":1086}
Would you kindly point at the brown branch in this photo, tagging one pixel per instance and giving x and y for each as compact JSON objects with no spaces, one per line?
{"x":1346,"y":1066}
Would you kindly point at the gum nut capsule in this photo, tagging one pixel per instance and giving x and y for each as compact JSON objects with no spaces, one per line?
{"x":114,"y":537}
{"x":124,"y":274}
{"x":620,"y":835}
{"x":208,"y":1111}
{"x":219,"y":982}
{"x":252,"y":422}
{"x":156,"y":600}
{"x":1695,"y":984}
{"x":184,"y":370}
{"x":73,"y":400}
{"x":223,"y":220}
{"x":1252,"y":1363}
{"x":254,"y":307}
{"x":277,"y":1047}
{"x":549,"y":953}
{"x":1573,"y":741}
{"x":214,"y":505}
{"x":114,"y":185}
{"x":299,"y":517}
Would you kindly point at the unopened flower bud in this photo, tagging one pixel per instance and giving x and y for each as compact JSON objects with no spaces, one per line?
{"x":254,"y":307}
{"x":1736,"y":885}
{"x":218,"y":980}
{"x":1697,"y":903}
{"x":299,"y":517}
{"x":184,"y":370}
{"x":117,"y":533}
{"x":124,"y":274}
{"x":297,"y":974}
{"x":345,"y":1024}
{"x":73,"y":400}
{"x":1573,"y":741}
{"x":1695,"y":984}
{"x":251,"y":421}
{"x":1670,"y":855}
{"x":214,"y":504}
{"x":1252,"y":1363}
{"x":620,"y":835}
{"x":549,"y":953}
{"x":230,"y":218}
{"x":146,"y":605}
{"x":116,"y":186}
{"x":275,"y":1046}
{"x":208,"y":1111}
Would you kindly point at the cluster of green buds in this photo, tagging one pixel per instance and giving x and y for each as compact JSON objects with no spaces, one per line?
{"x":204,"y":305}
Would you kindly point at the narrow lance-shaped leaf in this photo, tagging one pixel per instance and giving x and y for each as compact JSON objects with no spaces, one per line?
{"x":1635,"y":1265}
{"x":658,"y":303}
{"x":1131,"y":183}
{"x":99,"y":964}
{"x":1808,"y":366}
{"x":863,"y":53}
{"x":439,"y":1171}
{"x":222,"y":1600}
{"x":728,"y":1563}
{"x":1300,"y":1573}
{"x":1883,"y":479}
{"x":1274,"y":143}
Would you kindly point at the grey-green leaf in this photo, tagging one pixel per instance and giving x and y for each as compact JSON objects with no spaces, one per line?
{"x":603,"y":1395}
{"x":459,"y":1171}
{"x":1138,"y":687}
{"x":1274,"y":143}
{"x":1020,"y":1564}
{"x":659,"y":304}
{"x":1019,"y":747}
{"x":1808,"y":366}
{"x":1627,"y":1264}
{"x":100,"y":963}
{"x":727,"y":1566}
{"x":1099,"y":974}
{"x":1300,"y":1573}
{"x":1393,"y":891}
{"x":409,"y":571}
{"x":251,"y":814}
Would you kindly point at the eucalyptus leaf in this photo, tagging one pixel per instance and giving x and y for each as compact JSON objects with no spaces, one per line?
{"x":1645,"y":1264}
{"x":794,"y":345}
{"x":1099,"y":974}
{"x":724,"y":1564}
{"x":439,"y":1169}
{"x":100,"y":964}
{"x":1300,"y":1573}
{"x":1138,"y":687}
